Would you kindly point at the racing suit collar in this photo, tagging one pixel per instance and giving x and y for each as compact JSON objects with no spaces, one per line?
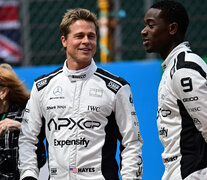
{"x":184,"y":46}
{"x":81,"y":74}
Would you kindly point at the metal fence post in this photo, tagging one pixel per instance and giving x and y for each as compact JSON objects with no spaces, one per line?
{"x":25,"y":29}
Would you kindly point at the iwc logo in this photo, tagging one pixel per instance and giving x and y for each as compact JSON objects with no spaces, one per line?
{"x":57,"y":91}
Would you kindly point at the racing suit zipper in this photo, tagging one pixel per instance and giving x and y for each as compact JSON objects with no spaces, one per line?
{"x":76,"y":111}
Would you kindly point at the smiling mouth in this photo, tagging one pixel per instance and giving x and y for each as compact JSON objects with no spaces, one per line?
{"x":85,"y":49}
{"x":145,"y":41}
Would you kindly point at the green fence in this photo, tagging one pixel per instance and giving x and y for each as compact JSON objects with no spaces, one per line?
{"x":40,"y":19}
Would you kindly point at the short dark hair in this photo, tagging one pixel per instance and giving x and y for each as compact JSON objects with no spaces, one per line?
{"x":173,"y":11}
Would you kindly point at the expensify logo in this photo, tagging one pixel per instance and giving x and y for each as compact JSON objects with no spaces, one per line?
{"x":68,"y":142}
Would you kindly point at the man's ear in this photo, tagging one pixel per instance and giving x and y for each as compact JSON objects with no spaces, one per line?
{"x":173,"y":28}
{"x":63,"y":40}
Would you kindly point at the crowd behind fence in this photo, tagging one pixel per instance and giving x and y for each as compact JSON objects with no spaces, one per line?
{"x":29,"y":29}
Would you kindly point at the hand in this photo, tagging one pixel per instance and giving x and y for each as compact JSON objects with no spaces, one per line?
{"x":8,"y":125}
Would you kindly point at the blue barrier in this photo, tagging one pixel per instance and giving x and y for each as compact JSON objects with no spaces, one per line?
{"x":144,"y":77}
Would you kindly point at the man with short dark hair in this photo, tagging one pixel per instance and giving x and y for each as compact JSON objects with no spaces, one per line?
{"x":182,"y":95}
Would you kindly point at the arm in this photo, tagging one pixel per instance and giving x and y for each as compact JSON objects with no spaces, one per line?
{"x":30,"y":129}
{"x":191,"y":88}
{"x":131,"y":139}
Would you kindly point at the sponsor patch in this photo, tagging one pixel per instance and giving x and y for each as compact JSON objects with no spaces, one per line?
{"x":194,"y":109}
{"x":69,"y":123}
{"x":78,"y":76}
{"x":57,"y":91}
{"x":82,"y":170}
{"x":53,"y":171}
{"x":96,"y":92}
{"x":196,"y":121}
{"x":93,"y":108}
{"x":73,"y":142}
{"x":41,"y":84}
{"x":114,"y":86}
{"x":195,"y":98}
{"x":163,"y":132}
{"x":170,"y":159}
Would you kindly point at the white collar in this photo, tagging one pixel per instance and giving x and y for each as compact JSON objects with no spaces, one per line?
{"x":82,"y":74}
{"x":184,"y":46}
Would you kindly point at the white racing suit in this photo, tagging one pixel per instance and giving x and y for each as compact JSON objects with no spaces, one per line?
{"x":182,"y":115}
{"x":85,"y":113}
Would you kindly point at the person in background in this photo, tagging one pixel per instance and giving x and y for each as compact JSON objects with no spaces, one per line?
{"x":86,"y":110}
{"x":182,"y":94}
{"x":13,"y":99}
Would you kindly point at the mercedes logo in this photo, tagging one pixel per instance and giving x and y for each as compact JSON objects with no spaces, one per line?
{"x":57,"y":91}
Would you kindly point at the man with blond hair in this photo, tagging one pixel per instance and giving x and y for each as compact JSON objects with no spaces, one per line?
{"x":85,"y":109}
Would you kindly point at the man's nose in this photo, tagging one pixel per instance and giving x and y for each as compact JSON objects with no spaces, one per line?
{"x":85,"y":39}
{"x":143,"y":31}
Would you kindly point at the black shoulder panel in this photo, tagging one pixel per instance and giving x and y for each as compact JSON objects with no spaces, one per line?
{"x":181,"y":63}
{"x":112,"y":82}
{"x":172,"y":71}
{"x":43,"y":80}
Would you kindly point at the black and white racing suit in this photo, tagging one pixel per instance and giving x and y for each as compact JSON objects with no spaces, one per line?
{"x":85,"y":113}
{"x":182,"y":115}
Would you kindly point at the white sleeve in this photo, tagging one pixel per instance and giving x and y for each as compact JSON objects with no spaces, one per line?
{"x":127,"y":122}
{"x":30,"y":129}
{"x":191,"y":88}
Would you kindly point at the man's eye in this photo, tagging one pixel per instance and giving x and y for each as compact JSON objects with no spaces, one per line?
{"x":79,"y":36}
{"x":151,"y":26}
{"x":91,"y":36}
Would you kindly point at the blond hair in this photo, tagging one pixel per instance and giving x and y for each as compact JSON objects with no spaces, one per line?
{"x":18,"y":95}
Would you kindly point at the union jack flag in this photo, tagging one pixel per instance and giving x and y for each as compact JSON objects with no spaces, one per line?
{"x":10,"y":50}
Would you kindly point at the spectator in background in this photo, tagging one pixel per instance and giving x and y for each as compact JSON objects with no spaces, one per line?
{"x":182,"y":95}
{"x":86,"y":110}
{"x":13,"y":99}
